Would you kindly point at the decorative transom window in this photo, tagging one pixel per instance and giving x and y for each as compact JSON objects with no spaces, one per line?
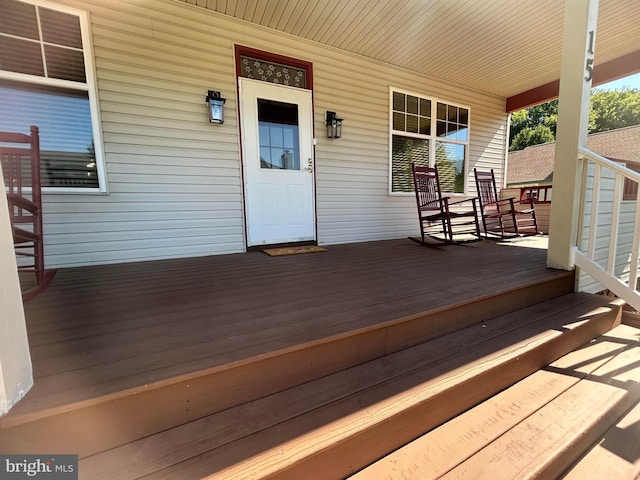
{"x":45,"y":81}
{"x":272,"y":72}
{"x":428,"y":132}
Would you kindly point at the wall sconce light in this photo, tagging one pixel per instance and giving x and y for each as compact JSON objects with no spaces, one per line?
{"x":334,"y":125}
{"x":215,"y":102}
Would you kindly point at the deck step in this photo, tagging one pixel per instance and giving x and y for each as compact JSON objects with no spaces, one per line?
{"x":249,"y":366}
{"x":333,"y":426}
{"x":538,"y":427}
{"x":617,"y":453}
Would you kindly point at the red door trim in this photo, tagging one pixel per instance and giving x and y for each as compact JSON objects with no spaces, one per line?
{"x":241,"y":50}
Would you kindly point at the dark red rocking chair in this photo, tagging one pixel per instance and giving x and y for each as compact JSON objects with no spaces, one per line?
{"x":503,"y":218}
{"x":20,"y":157}
{"x":439,"y":223}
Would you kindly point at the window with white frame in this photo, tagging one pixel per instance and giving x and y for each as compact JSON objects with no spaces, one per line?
{"x":45,"y":81}
{"x":427,"y":132}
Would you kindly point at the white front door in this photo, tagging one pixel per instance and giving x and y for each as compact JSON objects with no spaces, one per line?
{"x":277,"y":148}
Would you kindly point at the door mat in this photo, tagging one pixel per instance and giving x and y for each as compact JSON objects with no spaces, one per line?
{"x":278,"y":252}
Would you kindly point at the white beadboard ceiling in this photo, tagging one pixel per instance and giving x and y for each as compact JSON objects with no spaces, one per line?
{"x":503,"y":47}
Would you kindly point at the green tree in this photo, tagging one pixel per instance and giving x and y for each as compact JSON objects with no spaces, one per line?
{"x":614,"y":109}
{"x":532,"y":136}
{"x":610,"y":109}
{"x":530,"y":118}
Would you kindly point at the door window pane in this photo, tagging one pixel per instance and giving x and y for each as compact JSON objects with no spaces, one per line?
{"x":279,"y":135}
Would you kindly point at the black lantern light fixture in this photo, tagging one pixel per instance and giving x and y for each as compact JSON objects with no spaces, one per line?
{"x":215,"y":102}
{"x":334,"y":125}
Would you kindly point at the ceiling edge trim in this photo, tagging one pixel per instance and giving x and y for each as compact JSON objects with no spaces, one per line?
{"x":603,"y":73}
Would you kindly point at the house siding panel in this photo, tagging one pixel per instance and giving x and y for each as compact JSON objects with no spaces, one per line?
{"x":175,"y":180}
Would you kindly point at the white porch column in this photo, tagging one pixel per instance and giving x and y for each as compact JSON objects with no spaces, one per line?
{"x":15,"y":363}
{"x":580,"y":22}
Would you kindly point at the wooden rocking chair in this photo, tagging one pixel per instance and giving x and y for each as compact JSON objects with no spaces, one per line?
{"x":439,"y":224}
{"x":503,"y":218}
{"x":20,"y":158}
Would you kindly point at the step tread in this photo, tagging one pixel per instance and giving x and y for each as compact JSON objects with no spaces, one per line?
{"x":316,"y":415}
{"x":616,"y":455}
{"x":444,"y":448}
{"x":547,"y":442}
{"x":121,"y":377}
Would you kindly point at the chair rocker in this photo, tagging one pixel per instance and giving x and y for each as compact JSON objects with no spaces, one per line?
{"x":20,"y":160}
{"x":506,"y":218}
{"x":439,"y":223}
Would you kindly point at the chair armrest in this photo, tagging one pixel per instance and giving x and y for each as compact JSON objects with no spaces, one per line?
{"x":470,"y":199}
{"x":527,"y":203}
{"x":504,"y":201}
{"x":22,"y":202}
{"x":525,"y":210}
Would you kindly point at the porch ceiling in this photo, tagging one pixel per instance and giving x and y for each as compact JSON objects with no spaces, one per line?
{"x":503,"y":47}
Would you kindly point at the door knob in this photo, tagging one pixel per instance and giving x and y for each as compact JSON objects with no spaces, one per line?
{"x":309,"y":166}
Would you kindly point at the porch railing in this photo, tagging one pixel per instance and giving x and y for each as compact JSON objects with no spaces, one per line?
{"x":540,"y":194}
{"x":608,"y":244}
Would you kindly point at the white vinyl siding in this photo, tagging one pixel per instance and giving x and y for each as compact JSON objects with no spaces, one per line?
{"x":174,"y":178}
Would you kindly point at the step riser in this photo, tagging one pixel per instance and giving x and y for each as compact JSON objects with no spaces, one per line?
{"x":94,"y":428}
{"x":369,"y":445}
{"x":409,"y":333}
{"x":108,"y":424}
{"x":631,"y":318}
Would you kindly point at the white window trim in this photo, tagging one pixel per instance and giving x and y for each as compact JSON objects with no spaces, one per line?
{"x":432,"y":139}
{"x":90,"y":87}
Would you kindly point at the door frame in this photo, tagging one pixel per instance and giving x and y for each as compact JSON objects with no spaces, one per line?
{"x":240,"y":51}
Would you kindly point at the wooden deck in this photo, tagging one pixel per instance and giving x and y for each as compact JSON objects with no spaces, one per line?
{"x":307,"y":366}
{"x":101,"y":330}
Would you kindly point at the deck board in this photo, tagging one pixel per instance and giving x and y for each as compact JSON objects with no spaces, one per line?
{"x":544,"y":445}
{"x":97,"y":330}
{"x":182,"y":443}
{"x":334,"y":439}
{"x":617,"y":454}
{"x":444,"y":448}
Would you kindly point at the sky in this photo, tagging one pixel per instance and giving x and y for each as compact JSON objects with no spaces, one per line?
{"x":632,"y":81}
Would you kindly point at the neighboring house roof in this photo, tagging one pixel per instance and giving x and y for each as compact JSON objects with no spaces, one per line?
{"x":535,"y":164}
